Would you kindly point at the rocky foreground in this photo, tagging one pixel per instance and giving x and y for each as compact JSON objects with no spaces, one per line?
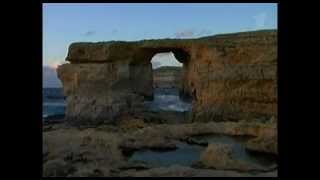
{"x":105,"y":150}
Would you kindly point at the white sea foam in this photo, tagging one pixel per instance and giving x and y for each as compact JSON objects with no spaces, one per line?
{"x":168,"y":103}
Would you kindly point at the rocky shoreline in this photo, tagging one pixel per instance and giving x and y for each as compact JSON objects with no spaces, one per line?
{"x":229,"y":129}
{"x":105,"y":150}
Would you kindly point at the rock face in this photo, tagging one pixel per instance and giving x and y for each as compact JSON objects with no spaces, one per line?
{"x":229,"y":77}
{"x":167,"y":77}
{"x":96,"y":93}
{"x":219,"y":156}
{"x":267,"y":142}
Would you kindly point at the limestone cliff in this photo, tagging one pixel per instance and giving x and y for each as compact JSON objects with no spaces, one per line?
{"x":230,"y":76}
{"x":167,"y":77}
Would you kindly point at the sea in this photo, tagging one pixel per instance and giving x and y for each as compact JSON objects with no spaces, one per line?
{"x":167,"y":99}
{"x":54,"y":103}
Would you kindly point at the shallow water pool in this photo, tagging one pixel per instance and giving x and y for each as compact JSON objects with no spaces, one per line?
{"x":187,"y":154}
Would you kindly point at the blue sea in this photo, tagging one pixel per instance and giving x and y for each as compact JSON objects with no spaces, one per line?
{"x":167,"y":99}
{"x":53,"y":102}
{"x":164,"y":99}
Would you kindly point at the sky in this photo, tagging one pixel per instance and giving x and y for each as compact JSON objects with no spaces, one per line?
{"x":164,"y":59}
{"x":67,"y":23}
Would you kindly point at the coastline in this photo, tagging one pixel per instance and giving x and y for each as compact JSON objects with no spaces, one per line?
{"x":71,"y":151}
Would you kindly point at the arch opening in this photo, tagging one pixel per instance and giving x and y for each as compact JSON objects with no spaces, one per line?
{"x":167,"y":82}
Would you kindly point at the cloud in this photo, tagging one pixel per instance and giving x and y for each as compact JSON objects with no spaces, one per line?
{"x":89,"y":33}
{"x":204,"y":32}
{"x":55,"y":64}
{"x":165,"y":59}
{"x":49,"y":77}
{"x":260,"y":20}
{"x":156,"y":64}
{"x":184,"y":34}
{"x":49,"y":73}
{"x":192,"y":33}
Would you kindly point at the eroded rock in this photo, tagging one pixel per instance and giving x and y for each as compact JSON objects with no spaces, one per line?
{"x":219,"y":156}
{"x":229,"y":77}
{"x":182,"y":171}
{"x":266,"y":144}
{"x":148,"y":142}
{"x":99,"y":151}
{"x":167,"y":77}
{"x":57,"y":168}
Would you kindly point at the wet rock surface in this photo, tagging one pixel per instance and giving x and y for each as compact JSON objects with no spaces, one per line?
{"x":220,"y":156}
{"x":184,"y":155}
{"x":109,"y":150}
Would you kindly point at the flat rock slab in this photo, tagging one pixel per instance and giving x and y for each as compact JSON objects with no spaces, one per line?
{"x":96,"y":151}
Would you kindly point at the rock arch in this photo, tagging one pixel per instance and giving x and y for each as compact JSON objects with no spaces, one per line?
{"x":232,"y":76}
{"x":141,"y":69}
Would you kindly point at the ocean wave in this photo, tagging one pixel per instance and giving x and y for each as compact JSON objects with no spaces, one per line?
{"x":168,"y":103}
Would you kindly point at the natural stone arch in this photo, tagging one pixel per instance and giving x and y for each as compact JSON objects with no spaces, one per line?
{"x":233,"y":76}
{"x":141,"y":68}
{"x":180,"y":54}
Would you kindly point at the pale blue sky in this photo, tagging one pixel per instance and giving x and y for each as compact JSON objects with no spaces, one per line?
{"x":67,"y":23}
